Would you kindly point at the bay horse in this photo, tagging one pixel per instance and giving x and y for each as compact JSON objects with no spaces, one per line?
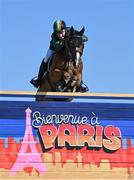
{"x":65,"y":69}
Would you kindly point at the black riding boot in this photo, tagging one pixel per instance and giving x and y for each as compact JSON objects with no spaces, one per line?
{"x":42,"y":70}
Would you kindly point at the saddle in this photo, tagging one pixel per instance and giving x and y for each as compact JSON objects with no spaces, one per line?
{"x":49,"y":61}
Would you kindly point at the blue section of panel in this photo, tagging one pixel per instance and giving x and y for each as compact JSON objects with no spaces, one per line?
{"x":13,"y":116}
{"x":13,"y":128}
{"x":104,"y":111}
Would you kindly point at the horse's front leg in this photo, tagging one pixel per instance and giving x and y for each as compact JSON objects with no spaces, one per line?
{"x":74,"y":89}
{"x":75,"y":83}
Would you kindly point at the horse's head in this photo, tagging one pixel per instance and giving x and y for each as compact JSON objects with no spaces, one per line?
{"x":75,"y":45}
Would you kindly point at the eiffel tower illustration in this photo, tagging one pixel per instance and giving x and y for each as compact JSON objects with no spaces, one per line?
{"x":28,"y":159}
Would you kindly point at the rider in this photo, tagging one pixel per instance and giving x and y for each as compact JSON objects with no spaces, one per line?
{"x":56,"y":45}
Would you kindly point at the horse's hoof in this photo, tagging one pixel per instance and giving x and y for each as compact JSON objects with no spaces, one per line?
{"x":84,"y":89}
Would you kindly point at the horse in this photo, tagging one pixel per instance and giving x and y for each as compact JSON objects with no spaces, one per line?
{"x":65,"y":69}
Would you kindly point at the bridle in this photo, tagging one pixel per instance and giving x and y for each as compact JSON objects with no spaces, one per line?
{"x":77,"y":49}
{"x":69,"y":54}
{"x":72,"y":49}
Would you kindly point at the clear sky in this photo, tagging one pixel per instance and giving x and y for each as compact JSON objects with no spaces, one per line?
{"x":26,"y":27}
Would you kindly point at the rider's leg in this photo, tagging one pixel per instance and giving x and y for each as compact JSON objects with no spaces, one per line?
{"x":43,"y":66}
{"x":42,"y":69}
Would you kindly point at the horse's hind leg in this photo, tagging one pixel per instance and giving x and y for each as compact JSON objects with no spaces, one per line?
{"x":44,"y":87}
{"x":39,"y":97}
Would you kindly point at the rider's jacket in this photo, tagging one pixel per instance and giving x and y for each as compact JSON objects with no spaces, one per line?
{"x":57,"y":44}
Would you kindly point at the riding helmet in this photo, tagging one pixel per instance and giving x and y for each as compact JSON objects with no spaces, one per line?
{"x":59,"y":25}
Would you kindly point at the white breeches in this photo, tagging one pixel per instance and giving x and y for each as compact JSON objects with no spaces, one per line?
{"x":49,"y":53}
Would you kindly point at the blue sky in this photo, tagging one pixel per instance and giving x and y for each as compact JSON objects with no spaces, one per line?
{"x":26,"y":27}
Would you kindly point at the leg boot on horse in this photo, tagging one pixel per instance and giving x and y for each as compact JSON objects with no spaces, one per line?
{"x":82,"y":88}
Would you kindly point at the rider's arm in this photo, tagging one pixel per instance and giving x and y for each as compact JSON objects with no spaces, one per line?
{"x":58,"y":45}
{"x":55,"y":43}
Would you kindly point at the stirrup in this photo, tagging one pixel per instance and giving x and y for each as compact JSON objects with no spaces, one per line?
{"x":34,"y":82}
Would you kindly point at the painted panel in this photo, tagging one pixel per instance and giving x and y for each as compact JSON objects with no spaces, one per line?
{"x":64,"y":140}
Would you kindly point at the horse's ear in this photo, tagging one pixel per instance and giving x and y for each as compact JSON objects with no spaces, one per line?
{"x":72,"y":30}
{"x":82,"y":31}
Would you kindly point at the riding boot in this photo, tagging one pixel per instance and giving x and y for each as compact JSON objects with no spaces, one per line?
{"x":42,"y":70}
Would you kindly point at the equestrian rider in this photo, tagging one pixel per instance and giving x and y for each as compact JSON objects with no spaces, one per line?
{"x":56,"y":45}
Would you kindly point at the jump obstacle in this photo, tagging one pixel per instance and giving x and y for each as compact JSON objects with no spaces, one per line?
{"x":65,"y":140}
